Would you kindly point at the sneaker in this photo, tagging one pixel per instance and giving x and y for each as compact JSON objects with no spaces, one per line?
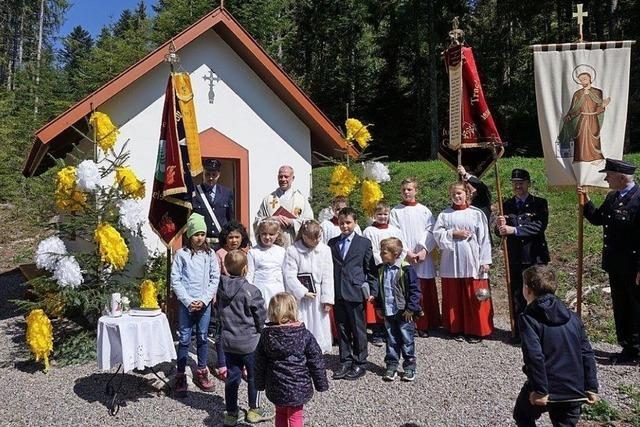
{"x":423,"y":334}
{"x":180,"y":387}
{"x":473,"y":339}
{"x":458,"y":338}
{"x":220,"y":373}
{"x":409,"y":375}
{"x":259,"y":415}
{"x":202,"y":380}
{"x":390,"y":374}
{"x":233,"y":419}
{"x":377,"y":341}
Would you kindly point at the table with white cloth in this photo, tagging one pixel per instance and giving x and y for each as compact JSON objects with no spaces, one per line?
{"x":133,"y":342}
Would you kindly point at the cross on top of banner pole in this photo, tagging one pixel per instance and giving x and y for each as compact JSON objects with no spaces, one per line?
{"x":456,"y":34}
{"x":579,"y":14}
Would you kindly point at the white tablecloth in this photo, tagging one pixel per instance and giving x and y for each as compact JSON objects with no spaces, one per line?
{"x":134,"y":341}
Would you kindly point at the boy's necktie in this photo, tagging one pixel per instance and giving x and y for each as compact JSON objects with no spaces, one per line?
{"x":343,"y":247}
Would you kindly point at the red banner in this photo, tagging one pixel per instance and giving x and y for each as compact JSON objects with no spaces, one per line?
{"x":471,"y":125}
{"x":172,"y":186}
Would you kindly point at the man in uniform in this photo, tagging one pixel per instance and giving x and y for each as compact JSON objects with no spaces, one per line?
{"x":523,"y":223}
{"x":285,"y":205}
{"x":213,"y":201}
{"x":619,"y":215}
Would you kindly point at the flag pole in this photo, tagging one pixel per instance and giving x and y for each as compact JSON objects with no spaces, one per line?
{"x":581,"y":202}
{"x":505,"y":250}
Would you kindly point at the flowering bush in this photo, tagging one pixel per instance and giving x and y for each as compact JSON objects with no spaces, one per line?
{"x":131,"y":186}
{"x":40,"y":336}
{"x":112,"y":247}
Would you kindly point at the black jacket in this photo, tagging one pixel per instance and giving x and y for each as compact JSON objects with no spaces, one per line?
{"x":558,"y":359}
{"x":406,"y":289}
{"x":242,"y":314}
{"x":530,"y":245}
{"x":222,"y":207}
{"x":357,"y":269}
{"x":621,"y":235}
{"x":289,"y":364}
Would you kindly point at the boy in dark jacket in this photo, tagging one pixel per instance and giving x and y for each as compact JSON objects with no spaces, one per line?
{"x":558,"y":359}
{"x":398,"y":301}
{"x":289,"y":361}
{"x":242,"y":317}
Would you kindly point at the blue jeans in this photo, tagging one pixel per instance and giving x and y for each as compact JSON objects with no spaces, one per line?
{"x":400,"y":341}
{"x":186,"y":320}
{"x":235,"y":363}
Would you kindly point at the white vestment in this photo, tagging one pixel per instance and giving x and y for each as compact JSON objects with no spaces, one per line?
{"x":319,"y":263}
{"x":291,"y":200}
{"x":264,"y":270}
{"x":463,"y":257}
{"x":416,"y":223}
{"x":377,"y":235}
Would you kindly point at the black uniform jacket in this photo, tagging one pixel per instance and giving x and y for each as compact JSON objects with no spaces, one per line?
{"x":529,"y":246}
{"x":222,"y":207}
{"x":620,"y":218}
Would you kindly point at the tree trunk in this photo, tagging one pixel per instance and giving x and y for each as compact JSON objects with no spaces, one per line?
{"x":433,"y":86}
{"x":38,"y":58}
{"x":614,"y":22}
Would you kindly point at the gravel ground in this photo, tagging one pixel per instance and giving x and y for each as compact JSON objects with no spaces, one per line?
{"x":457,"y":384}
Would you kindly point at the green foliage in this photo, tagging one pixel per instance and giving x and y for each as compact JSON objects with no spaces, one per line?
{"x":75,"y":348}
{"x":600,"y":411}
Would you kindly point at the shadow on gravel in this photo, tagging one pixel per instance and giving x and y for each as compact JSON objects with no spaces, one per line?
{"x":332,"y":363}
{"x":608,"y":358}
{"x":498,"y":334}
{"x":12,"y":286}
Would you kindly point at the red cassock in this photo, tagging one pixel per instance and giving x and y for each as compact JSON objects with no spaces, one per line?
{"x":462,"y":312}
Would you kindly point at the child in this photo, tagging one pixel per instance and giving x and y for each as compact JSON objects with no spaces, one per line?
{"x":558,"y":359}
{"x":266,"y":259}
{"x":330,"y":228}
{"x":232,"y":236}
{"x":462,"y":234}
{"x":242,"y":317}
{"x":353,"y":269}
{"x":416,"y":222}
{"x":377,"y":232}
{"x":194,"y":280}
{"x":398,"y":301}
{"x":289,"y":362}
{"x":308,"y":255}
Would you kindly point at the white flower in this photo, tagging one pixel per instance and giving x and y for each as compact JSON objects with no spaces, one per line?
{"x":124,"y":300}
{"x":376,"y":171}
{"x":132,"y":214}
{"x":49,"y":251}
{"x":87,"y":176}
{"x":68,"y":272}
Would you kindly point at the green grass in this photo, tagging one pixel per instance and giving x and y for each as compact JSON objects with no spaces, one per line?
{"x":562,"y":232}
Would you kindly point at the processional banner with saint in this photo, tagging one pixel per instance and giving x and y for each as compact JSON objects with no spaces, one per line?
{"x":582,"y":93}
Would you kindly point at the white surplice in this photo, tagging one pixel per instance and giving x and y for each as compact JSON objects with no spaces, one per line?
{"x":318,"y":262}
{"x":330,"y":230}
{"x":416,"y":223}
{"x":463,"y":257}
{"x":293,"y":201}
{"x":264,"y":270}
{"x":377,"y":235}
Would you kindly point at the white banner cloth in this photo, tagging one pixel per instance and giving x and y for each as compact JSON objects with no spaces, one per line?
{"x":134,"y":341}
{"x":582,"y":94}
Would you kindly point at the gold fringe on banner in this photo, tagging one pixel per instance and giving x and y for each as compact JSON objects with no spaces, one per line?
{"x":184,"y":93}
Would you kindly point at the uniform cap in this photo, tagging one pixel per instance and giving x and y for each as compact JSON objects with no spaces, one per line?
{"x":212,"y":164}
{"x":520,"y":175}
{"x":613,"y":165}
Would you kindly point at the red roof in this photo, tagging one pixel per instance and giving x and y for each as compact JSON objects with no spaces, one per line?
{"x":57,"y":136}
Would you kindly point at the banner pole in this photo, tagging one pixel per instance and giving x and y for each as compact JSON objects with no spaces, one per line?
{"x":581,"y":201}
{"x":505,"y":254}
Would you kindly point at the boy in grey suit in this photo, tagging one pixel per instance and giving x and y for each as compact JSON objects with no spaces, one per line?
{"x":353,"y":269}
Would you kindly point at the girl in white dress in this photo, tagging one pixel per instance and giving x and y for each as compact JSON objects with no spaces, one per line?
{"x":265,"y":261}
{"x":309,"y":256}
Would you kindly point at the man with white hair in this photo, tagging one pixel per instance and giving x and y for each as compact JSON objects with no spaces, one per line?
{"x":619,"y":215}
{"x":285,"y":205}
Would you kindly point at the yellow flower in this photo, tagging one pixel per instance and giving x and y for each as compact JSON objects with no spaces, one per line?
{"x":357,"y":132}
{"x":343,"y":181}
{"x":113,"y":249}
{"x":148,"y":295}
{"x":68,"y":199}
{"x":129,"y":183}
{"x":40,"y":336}
{"x":371,"y":195}
{"x":104,"y":132}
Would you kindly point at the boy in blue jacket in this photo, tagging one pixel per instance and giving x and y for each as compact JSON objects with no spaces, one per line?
{"x":398,"y":302}
{"x":558,"y":359}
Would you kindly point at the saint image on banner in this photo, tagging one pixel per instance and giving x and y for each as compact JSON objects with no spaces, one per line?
{"x":582,"y":123}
